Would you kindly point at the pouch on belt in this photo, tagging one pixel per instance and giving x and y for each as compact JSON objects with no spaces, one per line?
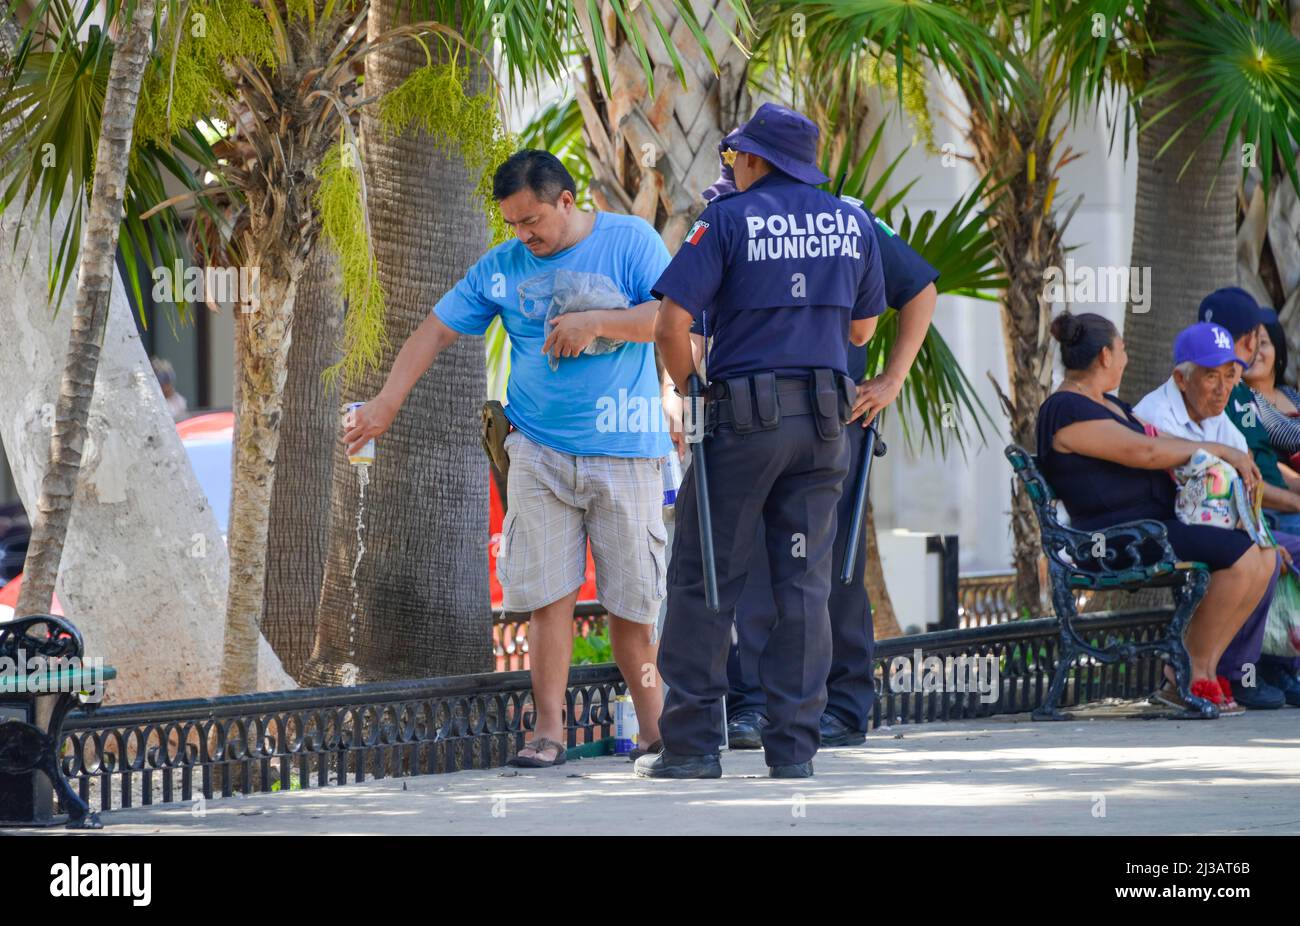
{"x":766,"y":401}
{"x":742,"y":407}
{"x":827,"y":395}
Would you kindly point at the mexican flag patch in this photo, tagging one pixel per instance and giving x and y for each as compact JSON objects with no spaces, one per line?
{"x":696,"y":233}
{"x":885,"y":227}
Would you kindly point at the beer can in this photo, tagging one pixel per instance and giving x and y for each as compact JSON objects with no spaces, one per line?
{"x":366,"y":455}
{"x":626,"y":729}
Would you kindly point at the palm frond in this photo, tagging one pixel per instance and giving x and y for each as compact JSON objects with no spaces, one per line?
{"x":834,"y":34}
{"x":1244,"y":73}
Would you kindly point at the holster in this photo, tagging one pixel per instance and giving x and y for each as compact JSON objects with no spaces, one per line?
{"x":494,"y":426}
{"x":742,"y":405}
{"x":768,"y":405}
{"x":827,"y":396}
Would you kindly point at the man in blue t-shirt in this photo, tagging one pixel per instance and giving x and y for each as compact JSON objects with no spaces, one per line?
{"x":589,"y":433}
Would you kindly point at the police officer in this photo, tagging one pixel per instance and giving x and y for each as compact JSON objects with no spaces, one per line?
{"x":790,"y":275}
{"x":850,"y":686}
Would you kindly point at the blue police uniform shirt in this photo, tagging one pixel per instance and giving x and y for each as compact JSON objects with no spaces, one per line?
{"x":906,"y":274}
{"x":807,"y":259}
{"x":601,"y":405}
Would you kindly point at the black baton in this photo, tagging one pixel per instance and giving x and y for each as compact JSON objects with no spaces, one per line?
{"x":696,"y":389}
{"x":873,"y":447}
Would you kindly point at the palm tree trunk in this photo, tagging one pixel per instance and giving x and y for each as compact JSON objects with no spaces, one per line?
{"x":298,"y":529}
{"x":94,"y":292}
{"x":883,"y":619}
{"x":263,"y":335}
{"x":1183,"y":229}
{"x":422,"y":602}
{"x":652,"y":155}
{"x":1028,"y":242}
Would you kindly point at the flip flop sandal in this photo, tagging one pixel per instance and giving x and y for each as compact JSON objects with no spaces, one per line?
{"x":1229,"y":707}
{"x":1168,"y":695}
{"x":539,"y":745}
{"x":652,"y":750}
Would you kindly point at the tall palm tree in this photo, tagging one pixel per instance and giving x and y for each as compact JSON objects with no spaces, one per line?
{"x":284,"y":79}
{"x":1002,"y":58}
{"x":1268,"y":241}
{"x":1212,"y":87}
{"x":298,"y":521}
{"x":415,"y":603}
{"x":652,"y":140}
{"x":94,"y":291}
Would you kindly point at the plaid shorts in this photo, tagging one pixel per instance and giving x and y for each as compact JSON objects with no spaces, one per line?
{"x":557,"y":502}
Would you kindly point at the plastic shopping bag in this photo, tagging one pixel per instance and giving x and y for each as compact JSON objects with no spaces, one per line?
{"x":1282,"y":632}
{"x":559,"y":292}
{"x":1211,"y":494}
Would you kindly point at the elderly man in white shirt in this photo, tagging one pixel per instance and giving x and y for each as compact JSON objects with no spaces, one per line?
{"x":1190,"y":403}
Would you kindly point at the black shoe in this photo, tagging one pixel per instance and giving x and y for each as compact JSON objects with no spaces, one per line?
{"x":745,"y":730}
{"x":1284,"y":680}
{"x":670,"y":765}
{"x":800,"y":770}
{"x":836,"y":732}
{"x":1258,"y":697}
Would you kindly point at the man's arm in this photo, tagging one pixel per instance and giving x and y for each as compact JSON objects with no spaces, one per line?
{"x":416,"y":356}
{"x":672,"y":400}
{"x":1289,"y":477}
{"x":673,"y":337}
{"x":914,"y":319}
{"x":861,"y":330}
{"x":572,"y":332}
{"x":1280,"y":499}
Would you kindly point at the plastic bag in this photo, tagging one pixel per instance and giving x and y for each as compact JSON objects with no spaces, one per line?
{"x":1282,"y":632}
{"x":1211,"y":494}
{"x":559,"y":292}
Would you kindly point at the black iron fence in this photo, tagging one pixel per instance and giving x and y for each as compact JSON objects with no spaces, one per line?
{"x":164,"y":752}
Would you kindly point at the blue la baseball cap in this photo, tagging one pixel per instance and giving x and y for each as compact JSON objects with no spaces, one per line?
{"x":786,"y":138}
{"x":1206,"y":345}
{"x":1236,"y":310}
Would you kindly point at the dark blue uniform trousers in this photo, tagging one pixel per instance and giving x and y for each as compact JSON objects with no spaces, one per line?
{"x":790,"y":479}
{"x":850,"y":688}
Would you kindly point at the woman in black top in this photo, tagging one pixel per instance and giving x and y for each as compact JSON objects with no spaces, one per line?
{"x":1107,"y":469}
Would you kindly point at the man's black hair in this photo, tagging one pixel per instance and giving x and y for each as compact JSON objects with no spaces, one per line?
{"x":536,"y":170}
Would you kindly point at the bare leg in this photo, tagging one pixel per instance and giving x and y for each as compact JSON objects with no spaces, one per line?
{"x":637,"y":659}
{"x":550,"y":650}
{"x":1233,"y":594}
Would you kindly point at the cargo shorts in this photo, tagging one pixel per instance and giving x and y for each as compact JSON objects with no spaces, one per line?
{"x":556,"y":503}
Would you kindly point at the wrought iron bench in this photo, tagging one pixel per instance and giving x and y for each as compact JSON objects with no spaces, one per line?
{"x":41,"y":680}
{"x":1111,"y":560}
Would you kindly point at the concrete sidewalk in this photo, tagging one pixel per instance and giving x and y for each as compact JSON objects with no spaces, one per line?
{"x":997,"y":776}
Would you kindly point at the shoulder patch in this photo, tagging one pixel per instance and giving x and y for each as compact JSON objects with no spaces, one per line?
{"x":884,"y":226}
{"x":696,"y":233}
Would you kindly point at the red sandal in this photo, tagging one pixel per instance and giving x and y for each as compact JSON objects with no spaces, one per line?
{"x":1209,"y":690}
{"x":1229,"y":707}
